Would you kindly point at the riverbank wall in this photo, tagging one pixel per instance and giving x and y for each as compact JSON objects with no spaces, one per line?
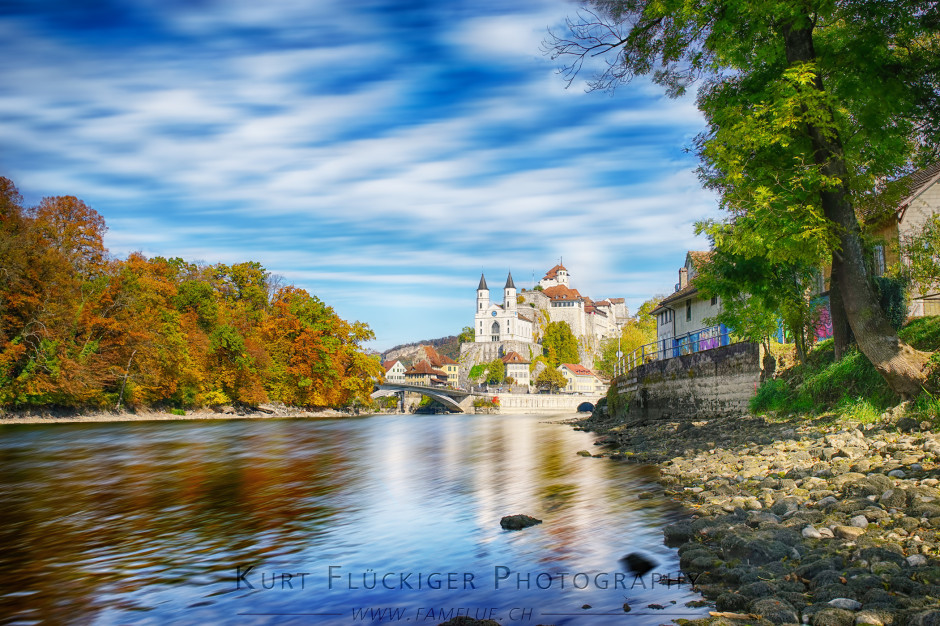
{"x":543,"y":403}
{"x":712,"y":383}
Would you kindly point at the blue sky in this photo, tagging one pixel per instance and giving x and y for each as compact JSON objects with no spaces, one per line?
{"x":378,"y":153}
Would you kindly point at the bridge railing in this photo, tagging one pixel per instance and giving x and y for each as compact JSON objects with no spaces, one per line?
{"x":671,"y":347}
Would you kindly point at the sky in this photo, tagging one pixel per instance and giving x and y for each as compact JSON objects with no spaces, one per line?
{"x":380,"y":154}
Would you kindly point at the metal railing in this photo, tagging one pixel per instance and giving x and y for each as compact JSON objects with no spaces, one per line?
{"x":671,"y":347}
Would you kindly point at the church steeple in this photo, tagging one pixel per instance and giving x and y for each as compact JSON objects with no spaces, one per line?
{"x":483,"y":295}
{"x":509,"y":294}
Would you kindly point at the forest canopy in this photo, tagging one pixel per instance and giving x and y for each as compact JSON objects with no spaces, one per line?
{"x":80,"y":328}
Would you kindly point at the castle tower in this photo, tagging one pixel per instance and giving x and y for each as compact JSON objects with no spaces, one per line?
{"x":562,"y":275}
{"x":509,"y":294}
{"x":483,"y":295}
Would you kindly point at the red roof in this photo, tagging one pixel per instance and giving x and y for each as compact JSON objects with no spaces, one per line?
{"x":514,"y":357}
{"x":423,"y":367}
{"x":578,"y":369}
{"x":390,"y":364}
{"x":560,"y":292}
{"x":553,"y":273}
{"x":616,"y":300}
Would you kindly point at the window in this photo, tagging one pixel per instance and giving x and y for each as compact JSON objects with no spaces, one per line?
{"x":714,"y":300}
{"x":688,"y":310}
{"x":879,"y":261}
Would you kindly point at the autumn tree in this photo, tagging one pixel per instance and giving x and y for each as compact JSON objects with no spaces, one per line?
{"x":638,"y":331}
{"x":809,"y":106}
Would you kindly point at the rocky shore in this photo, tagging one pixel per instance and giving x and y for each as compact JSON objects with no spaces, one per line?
{"x":802,"y":520}
{"x":273,"y":410}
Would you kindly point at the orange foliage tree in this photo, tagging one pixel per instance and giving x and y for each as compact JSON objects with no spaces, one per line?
{"x":79,"y":328}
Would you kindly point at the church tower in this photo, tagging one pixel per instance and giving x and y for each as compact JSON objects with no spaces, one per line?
{"x":483,"y":295}
{"x":509,"y":294}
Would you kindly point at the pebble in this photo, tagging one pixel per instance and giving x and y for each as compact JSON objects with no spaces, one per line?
{"x":810,"y":532}
{"x":845,"y":603}
{"x":916,"y":560}
{"x":848,"y":532}
{"x":859,"y":521}
{"x":898,"y":473}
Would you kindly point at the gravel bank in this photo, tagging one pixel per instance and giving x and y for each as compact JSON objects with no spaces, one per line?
{"x":803,"y":521}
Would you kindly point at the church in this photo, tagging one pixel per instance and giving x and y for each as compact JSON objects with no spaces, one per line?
{"x":500,"y":322}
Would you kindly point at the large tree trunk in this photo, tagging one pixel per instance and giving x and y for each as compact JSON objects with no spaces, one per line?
{"x":901,"y":365}
{"x":842,"y":336}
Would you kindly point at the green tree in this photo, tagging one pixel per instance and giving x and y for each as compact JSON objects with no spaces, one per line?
{"x":467,"y":335}
{"x":809,"y":105}
{"x":551,"y":379}
{"x":495,"y":372}
{"x":560,"y":345}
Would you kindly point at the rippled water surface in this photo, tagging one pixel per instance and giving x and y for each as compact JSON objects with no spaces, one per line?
{"x":149,"y":522}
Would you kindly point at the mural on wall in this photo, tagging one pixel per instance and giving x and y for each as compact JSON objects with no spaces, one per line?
{"x":823,"y":322}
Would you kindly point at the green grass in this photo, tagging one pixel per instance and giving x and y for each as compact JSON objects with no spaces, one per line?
{"x":851,"y":387}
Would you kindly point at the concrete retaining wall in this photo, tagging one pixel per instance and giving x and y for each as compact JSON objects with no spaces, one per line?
{"x":542,"y":403}
{"x":716,"y":382}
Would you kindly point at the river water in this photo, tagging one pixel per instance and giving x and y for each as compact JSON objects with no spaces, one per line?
{"x":385,"y":519}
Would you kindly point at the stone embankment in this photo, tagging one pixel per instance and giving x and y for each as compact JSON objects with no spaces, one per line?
{"x":804,"y":521}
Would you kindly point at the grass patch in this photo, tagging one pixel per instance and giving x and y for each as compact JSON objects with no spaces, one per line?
{"x":852,"y":387}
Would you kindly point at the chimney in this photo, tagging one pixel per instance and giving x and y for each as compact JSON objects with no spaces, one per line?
{"x":683,"y":277}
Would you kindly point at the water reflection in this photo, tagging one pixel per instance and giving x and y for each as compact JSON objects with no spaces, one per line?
{"x":148,"y":521}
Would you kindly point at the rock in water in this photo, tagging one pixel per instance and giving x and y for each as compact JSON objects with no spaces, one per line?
{"x":518,"y":522}
{"x":637,"y":563}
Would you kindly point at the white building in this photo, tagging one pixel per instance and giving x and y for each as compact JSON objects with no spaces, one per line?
{"x":517,"y":368}
{"x":494,"y":322}
{"x":686,"y":310}
{"x":394,"y":371}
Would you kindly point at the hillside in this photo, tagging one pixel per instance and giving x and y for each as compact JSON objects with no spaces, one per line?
{"x":446,"y":346}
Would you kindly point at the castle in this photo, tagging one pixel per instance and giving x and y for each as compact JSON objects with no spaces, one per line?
{"x":518,"y":323}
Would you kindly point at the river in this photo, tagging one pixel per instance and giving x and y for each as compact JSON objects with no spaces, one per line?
{"x":369,"y":520}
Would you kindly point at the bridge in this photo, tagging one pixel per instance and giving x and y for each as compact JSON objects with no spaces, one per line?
{"x":454,"y":399}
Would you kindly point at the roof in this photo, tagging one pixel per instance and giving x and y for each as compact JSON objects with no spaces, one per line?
{"x":602,"y":303}
{"x":560,"y":292}
{"x":577,"y":369}
{"x":682,"y":294}
{"x":920,"y":181}
{"x":423,"y":367}
{"x":515,"y":358}
{"x":700,"y":256}
{"x":390,"y":364}
{"x":509,"y":283}
{"x":552,"y":273}
{"x":592,"y":309}
{"x":615,"y":300}
{"x":482,"y":284}
{"x":446,"y":360}
{"x":524,"y":318}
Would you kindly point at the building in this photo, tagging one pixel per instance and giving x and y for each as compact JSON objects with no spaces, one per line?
{"x":680,"y":317}
{"x":394,"y":371}
{"x":500,"y":322}
{"x":580,"y":379}
{"x":443,"y":363}
{"x":421,"y":373}
{"x":517,"y":368}
{"x":921,"y":202}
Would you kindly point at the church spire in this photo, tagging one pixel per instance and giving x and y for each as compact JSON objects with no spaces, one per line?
{"x":482,"y":283}
{"x":509,"y":283}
